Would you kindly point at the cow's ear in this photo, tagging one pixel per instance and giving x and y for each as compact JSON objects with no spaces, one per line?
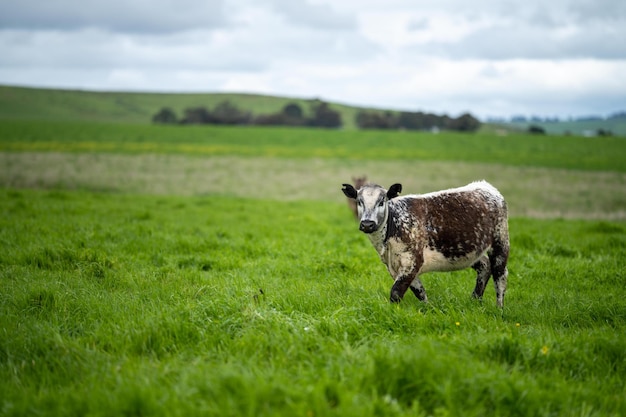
{"x":394,"y":191}
{"x":349,"y":191}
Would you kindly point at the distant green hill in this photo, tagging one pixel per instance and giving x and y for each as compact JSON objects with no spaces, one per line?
{"x":49,"y":104}
{"x":615,"y":125}
{"x":23,"y":103}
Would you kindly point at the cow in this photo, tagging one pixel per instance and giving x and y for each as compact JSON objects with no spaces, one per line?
{"x":440,"y":231}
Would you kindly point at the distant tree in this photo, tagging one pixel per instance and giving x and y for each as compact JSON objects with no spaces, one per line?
{"x":618,"y":115}
{"x":290,"y":115}
{"x":415,"y":121}
{"x":275,"y":119}
{"x":432,"y":121}
{"x":196,"y":115}
{"x":422,"y":121}
{"x":293,"y":111}
{"x":464,"y":123}
{"x":390,"y":120}
{"x":165,"y":116}
{"x":591,"y":118}
{"x":375,"y":120}
{"x":445,"y":121}
{"x":365,"y":120}
{"x":293,"y":115}
{"x":226,"y":113}
{"x":324,"y":116}
{"x":536,"y":130}
{"x":411,"y":121}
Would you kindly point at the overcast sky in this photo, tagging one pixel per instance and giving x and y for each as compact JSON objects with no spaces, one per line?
{"x":489,"y":57}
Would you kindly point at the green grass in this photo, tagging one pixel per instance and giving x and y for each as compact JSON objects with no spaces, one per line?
{"x":530,"y":192}
{"x":606,"y":154}
{"x":155,"y":270}
{"x":118,"y":304}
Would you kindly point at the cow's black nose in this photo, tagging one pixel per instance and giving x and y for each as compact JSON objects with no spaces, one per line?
{"x":367,"y":226}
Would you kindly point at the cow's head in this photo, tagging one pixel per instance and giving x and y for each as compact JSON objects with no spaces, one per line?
{"x":371,"y":202}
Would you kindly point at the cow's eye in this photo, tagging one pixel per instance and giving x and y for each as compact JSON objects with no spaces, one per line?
{"x":381,"y":203}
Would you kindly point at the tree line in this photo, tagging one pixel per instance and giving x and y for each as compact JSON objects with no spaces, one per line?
{"x":320,"y":115}
{"x":415,"y":121}
{"x":226,"y":113}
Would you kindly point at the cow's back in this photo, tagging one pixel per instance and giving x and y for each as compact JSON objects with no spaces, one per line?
{"x":454,"y":222}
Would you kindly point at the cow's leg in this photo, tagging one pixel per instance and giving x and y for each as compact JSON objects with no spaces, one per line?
{"x":498,"y":259}
{"x":418,"y":289}
{"x":483,"y":272}
{"x":400,"y":286}
{"x":500,"y":284}
{"x":405,"y":282}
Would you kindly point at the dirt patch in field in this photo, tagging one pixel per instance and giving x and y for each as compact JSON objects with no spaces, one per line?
{"x":531,"y":192}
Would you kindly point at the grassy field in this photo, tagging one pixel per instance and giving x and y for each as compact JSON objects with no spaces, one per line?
{"x":598,"y":154}
{"x":150,"y":270}
{"x":153,"y":305}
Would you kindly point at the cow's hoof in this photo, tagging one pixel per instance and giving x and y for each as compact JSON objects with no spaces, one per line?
{"x":395,"y":298}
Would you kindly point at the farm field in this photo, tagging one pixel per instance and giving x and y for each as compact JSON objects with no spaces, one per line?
{"x":150,"y":270}
{"x":578,"y":153}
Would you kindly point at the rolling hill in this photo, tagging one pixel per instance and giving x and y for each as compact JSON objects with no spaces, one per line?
{"x":590,"y":127}
{"x":50,"y":104}
{"x":25,"y":103}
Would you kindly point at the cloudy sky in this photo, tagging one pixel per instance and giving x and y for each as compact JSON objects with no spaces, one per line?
{"x":489,"y":57}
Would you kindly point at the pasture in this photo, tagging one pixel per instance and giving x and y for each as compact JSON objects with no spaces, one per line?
{"x":162,"y":271}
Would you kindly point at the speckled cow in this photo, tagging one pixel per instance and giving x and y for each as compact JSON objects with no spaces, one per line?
{"x":440,"y":231}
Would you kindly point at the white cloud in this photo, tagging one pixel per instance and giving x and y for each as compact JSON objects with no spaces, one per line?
{"x":314,"y":15}
{"x":489,"y":57}
{"x":130,"y":16}
{"x":511,"y":40}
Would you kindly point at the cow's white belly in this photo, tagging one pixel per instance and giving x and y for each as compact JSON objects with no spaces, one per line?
{"x":436,"y":261}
